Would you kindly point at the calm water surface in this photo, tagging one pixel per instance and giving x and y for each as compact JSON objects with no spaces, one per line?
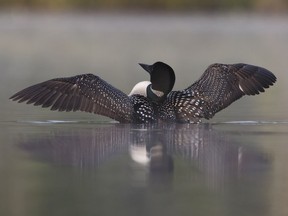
{"x":74,"y":168}
{"x":81,"y":164}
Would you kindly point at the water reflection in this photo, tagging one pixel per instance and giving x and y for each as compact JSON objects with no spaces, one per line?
{"x":153,"y":151}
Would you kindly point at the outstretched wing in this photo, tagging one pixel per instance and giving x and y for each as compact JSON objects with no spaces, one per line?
{"x":218,"y":87}
{"x":86,"y":92}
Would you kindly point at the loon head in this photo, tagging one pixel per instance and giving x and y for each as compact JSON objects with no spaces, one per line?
{"x":162,"y":79}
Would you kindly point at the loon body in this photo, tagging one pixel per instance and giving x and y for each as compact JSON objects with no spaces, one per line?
{"x":152,"y":101}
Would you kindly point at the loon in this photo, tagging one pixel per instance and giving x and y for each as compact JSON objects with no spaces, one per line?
{"x":152,"y":101}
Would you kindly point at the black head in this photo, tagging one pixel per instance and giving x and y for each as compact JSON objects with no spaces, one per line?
{"x":162,"y":77}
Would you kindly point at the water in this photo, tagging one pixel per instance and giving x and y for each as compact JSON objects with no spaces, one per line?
{"x":80,"y":164}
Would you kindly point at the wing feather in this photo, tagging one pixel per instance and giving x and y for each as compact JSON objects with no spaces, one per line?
{"x":86,"y":92}
{"x":228,"y":83}
{"x":218,"y":87}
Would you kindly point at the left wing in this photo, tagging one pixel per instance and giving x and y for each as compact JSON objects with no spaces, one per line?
{"x":86,"y":92}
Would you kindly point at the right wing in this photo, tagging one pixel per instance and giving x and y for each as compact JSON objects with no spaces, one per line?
{"x":218,"y":87}
{"x":86,"y":92}
{"x":222,"y":84}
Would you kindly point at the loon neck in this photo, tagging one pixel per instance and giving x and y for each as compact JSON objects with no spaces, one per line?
{"x":145,"y":89}
{"x":155,"y":95}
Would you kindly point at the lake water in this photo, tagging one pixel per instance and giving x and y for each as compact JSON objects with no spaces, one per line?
{"x":55,"y":163}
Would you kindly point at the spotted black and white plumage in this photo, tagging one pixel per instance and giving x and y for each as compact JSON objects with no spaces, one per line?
{"x":88,"y":93}
{"x":218,"y":87}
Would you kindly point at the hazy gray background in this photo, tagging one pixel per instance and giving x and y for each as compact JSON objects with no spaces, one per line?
{"x":38,"y":47}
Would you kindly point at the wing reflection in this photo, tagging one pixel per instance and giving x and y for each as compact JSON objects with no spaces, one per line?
{"x":154,"y":149}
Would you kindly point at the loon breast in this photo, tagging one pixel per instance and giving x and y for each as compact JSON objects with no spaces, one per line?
{"x":140,"y":88}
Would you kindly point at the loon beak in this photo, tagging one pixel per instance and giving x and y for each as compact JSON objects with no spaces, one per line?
{"x":146,"y":67}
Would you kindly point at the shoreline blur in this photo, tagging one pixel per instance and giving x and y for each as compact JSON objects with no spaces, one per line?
{"x":180,"y":6}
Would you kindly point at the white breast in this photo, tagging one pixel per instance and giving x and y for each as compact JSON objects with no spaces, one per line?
{"x":140,"y":88}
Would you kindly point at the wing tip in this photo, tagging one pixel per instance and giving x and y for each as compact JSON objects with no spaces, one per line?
{"x":254,"y":79}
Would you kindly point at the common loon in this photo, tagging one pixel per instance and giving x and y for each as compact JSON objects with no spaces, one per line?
{"x":152,"y":101}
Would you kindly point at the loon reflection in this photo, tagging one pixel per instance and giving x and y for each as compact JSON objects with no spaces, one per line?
{"x":213,"y":152}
